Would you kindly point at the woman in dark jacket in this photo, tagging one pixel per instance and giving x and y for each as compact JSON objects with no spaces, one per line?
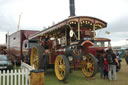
{"x":101,"y":64}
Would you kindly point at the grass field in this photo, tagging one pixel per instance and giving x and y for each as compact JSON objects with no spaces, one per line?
{"x":77,"y":78}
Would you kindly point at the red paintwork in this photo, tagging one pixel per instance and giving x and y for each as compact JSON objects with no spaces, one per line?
{"x":86,"y":44}
{"x":60,"y":51}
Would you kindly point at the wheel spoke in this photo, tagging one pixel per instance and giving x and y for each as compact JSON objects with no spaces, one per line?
{"x":61,"y":61}
{"x":62,"y":73}
{"x":92,"y":69}
{"x":35,"y":51}
{"x":63,"y":67}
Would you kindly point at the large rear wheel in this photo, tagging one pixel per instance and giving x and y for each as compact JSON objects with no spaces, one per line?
{"x":36,"y":58}
{"x":89,"y":65}
{"x":61,"y":67}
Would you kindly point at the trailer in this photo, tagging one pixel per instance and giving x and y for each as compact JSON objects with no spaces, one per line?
{"x":15,"y":45}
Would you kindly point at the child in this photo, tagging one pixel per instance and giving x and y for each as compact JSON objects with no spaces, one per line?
{"x":105,"y":68}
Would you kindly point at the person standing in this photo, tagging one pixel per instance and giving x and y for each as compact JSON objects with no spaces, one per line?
{"x":105,"y":68}
{"x":101,"y":64}
{"x":112,"y":60}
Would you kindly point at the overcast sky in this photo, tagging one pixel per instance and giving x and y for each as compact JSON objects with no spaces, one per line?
{"x":37,"y":14}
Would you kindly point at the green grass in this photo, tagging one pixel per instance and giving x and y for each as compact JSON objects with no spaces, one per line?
{"x":77,"y":78}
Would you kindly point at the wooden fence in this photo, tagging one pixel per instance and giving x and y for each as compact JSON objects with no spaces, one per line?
{"x":14,"y":77}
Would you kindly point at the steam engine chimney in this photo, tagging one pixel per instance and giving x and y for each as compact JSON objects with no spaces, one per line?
{"x":72,"y":8}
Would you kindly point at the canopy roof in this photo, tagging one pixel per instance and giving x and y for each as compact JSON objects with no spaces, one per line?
{"x":99,"y":24}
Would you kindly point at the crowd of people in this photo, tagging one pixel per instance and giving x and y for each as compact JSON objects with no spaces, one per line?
{"x":107,"y":61}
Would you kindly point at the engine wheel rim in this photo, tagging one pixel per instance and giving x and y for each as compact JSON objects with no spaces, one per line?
{"x":60,"y":67}
{"x":34,"y":58}
{"x":88,"y":66}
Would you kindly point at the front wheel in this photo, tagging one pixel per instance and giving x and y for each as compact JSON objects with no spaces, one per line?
{"x":61,"y":67}
{"x":89,"y":65}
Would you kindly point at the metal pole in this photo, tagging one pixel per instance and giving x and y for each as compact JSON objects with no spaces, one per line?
{"x":78,"y":31}
{"x":18,"y":28}
{"x":94,"y":31}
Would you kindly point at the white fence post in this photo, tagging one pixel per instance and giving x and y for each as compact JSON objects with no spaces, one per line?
{"x":19,"y":82}
{"x":4,"y":77}
{"x":15,"y":77}
{"x":8,"y":77}
{"x":26,"y":74}
{"x":11,"y":77}
{"x":23,"y":77}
